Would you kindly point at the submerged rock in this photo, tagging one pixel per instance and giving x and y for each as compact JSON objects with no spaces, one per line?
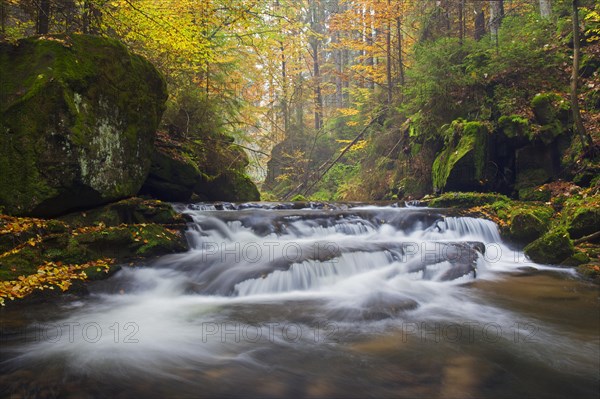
{"x":78,"y":119}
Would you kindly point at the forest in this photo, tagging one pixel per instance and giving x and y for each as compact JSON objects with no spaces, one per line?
{"x":432,"y":165}
{"x":382,"y":83}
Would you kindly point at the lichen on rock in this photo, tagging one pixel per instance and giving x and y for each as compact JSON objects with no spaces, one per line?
{"x":79,"y":115}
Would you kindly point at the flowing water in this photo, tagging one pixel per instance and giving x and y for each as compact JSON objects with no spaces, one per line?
{"x":324,"y":301}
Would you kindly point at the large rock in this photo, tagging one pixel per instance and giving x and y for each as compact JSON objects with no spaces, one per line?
{"x":211,"y":170}
{"x":461,"y":164}
{"x":79,"y":115}
{"x":552,"y":248}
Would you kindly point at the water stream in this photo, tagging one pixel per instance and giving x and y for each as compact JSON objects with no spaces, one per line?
{"x":324,"y":301}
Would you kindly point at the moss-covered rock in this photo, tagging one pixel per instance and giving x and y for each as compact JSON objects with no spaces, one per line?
{"x":527,"y":225}
{"x":552,"y":248}
{"x":549,"y":107}
{"x":582,"y":216}
{"x":229,"y":186}
{"x":211,"y":170}
{"x":514,"y":126}
{"x":577,"y":259}
{"x":541,"y":193}
{"x":461,"y":164}
{"x":78,"y":119}
{"x":126,"y":231}
{"x":466,"y":200}
{"x":171,"y":177}
{"x":129,"y":211}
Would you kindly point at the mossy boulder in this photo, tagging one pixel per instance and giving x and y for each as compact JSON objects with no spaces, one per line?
{"x":211,"y":169}
{"x":228,"y":186}
{"x":78,"y":119}
{"x":514,"y":126}
{"x":466,"y":200}
{"x":171,"y":177}
{"x":549,"y":107}
{"x":541,"y":194}
{"x":129,"y":211}
{"x":526,"y":226}
{"x":460,"y":166}
{"x":577,"y":259}
{"x":552,"y":248}
{"x":585,"y":221}
{"x":127,"y":230}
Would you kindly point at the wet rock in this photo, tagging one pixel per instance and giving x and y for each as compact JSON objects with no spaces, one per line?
{"x":552,"y":248}
{"x":527,"y":226}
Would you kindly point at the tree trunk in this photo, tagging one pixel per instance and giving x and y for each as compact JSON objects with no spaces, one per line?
{"x":370,"y":40}
{"x":479,"y":32}
{"x":318,"y":96}
{"x":496,"y":15}
{"x":388,"y":43}
{"x":2,"y":20}
{"x":586,"y":140}
{"x":461,"y":21}
{"x":284,"y":83}
{"x":43,"y":17}
{"x":316,"y":27}
{"x":400,"y":50}
{"x":546,"y":8}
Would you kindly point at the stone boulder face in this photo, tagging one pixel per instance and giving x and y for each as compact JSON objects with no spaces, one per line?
{"x":540,"y":160}
{"x":514,"y":157}
{"x":461,"y":164}
{"x":209,"y":169}
{"x":78,"y":121}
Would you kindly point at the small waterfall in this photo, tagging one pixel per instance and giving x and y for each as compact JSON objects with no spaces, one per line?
{"x":314,"y":274}
{"x":464,"y":228}
{"x":268,"y":251}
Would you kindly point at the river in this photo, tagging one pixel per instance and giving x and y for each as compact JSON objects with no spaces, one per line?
{"x":335,"y":300}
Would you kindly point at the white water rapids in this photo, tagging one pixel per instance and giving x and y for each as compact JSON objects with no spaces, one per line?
{"x":311,"y":303}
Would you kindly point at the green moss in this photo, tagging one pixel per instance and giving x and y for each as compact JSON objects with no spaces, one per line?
{"x":548,"y":133}
{"x":466,"y":200}
{"x":581,"y":216}
{"x":545,"y":107}
{"x":578,"y":258}
{"x":129,"y":211}
{"x":514,"y":125}
{"x":530,"y":178}
{"x":535,"y":194}
{"x":553,"y":247}
{"x":585,"y":221}
{"x":299,"y":198}
{"x":24,"y":262}
{"x":527,"y":225}
{"x":468,"y":154}
{"x":78,"y":118}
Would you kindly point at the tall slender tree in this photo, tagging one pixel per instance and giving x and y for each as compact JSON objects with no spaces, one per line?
{"x":546,"y":8}
{"x":586,"y":140}
{"x":43,"y":17}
